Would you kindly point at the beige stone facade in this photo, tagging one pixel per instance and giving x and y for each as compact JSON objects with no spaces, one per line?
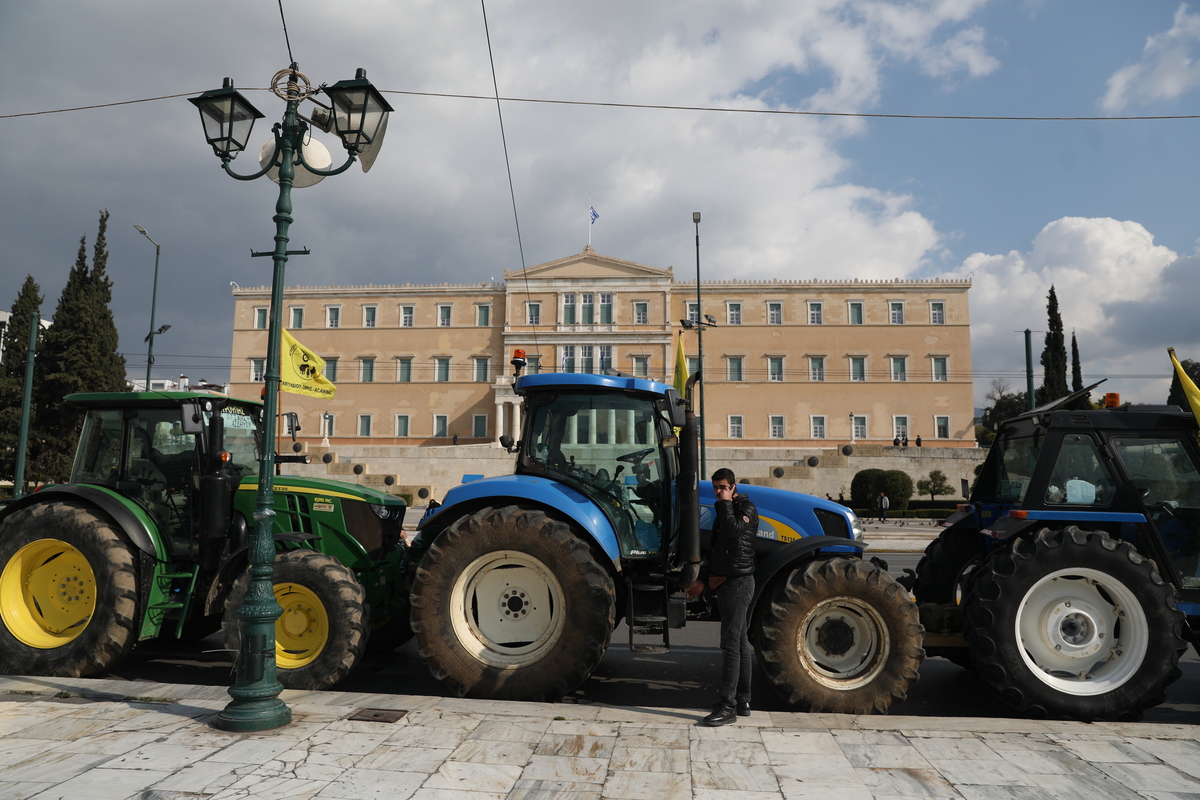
{"x":790,"y":364}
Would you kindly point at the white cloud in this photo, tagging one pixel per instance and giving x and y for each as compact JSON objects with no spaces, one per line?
{"x":1166,"y":71}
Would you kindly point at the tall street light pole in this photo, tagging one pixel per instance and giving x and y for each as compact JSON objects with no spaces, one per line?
{"x":153,"y":302}
{"x":700,"y":349}
{"x":359,"y":114}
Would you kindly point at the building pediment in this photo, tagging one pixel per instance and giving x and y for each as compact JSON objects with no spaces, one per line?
{"x":591,"y":265}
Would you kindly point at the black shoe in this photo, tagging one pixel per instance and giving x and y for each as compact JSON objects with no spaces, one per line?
{"x":743,"y":709}
{"x":721,"y":715}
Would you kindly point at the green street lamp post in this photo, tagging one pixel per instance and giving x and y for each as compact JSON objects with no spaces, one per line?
{"x":153,"y":302}
{"x":358,"y":113}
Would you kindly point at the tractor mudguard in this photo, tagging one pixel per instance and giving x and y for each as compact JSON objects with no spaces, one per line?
{"x":467,"y":498}
{"x":130,"y":518}
{"x":961,"y":520}
{"x":1008,"y":527}
{"x":786,"y":557}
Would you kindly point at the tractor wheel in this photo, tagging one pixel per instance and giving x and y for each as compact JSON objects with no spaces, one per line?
{"x":322,"y":632}
{"x":68,"y":592}
{"x":510,"y":604}
{"x":1074,"y":624}
{"x":944,"y":560}
{"x":840,"y":635}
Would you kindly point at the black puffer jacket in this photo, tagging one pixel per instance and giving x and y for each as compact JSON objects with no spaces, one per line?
{"x":733,"y":539}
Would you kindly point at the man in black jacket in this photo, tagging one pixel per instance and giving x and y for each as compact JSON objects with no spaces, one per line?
{"x":730,"y":569}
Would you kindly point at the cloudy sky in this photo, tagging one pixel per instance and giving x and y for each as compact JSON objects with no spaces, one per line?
{"x":1103,"y":209}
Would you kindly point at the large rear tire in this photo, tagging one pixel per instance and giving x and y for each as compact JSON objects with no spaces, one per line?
{"x":840,"y":635}
{"x":1074,"y":624}
{"x":943,"y":562}
{"x":322,"y":633}
{"x":510,"y":604}
{"x":68,"y":592}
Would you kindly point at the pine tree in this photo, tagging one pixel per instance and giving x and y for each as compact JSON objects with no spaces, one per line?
{"x":1176,"y":397}
{"x":1077,"y":374}
{"x":15,"y":347}
{"x":1054,"y":355}
{"x":80,"y":355}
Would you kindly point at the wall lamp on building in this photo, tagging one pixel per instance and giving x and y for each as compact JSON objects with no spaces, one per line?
{"x":357,"y":112}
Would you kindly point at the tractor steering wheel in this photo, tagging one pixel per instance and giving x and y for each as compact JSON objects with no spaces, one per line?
{"x":636,"y":457}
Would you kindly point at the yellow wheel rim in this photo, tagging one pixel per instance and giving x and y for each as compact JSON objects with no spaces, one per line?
{"x":302,"y":631}
{"x":47,"y":594}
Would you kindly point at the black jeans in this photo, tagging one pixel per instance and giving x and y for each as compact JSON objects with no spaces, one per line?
{"x":733,"y":599}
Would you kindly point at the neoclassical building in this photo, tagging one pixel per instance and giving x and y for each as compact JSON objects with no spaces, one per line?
{"x":786,"y":363}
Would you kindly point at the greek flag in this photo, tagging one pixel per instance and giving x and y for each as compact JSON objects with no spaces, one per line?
{"x":593,"y":213}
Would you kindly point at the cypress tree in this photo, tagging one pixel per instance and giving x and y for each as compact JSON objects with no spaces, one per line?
{"x":1077,"y":374}
{"x":15,"y":347}
{"x":1054,"y":355}
{"x":1176,"y":397}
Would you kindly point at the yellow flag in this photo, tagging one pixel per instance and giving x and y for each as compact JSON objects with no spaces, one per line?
{"x":301,"y":371}
{"x":1189,"y":386}
{"x":681,"y":370}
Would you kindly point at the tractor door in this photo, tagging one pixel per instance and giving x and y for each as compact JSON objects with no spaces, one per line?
{"x":166,"y":462}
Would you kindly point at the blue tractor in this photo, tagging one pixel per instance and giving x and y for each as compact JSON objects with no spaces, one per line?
{"x":518,"y":581}
{"x":1071,"y":581}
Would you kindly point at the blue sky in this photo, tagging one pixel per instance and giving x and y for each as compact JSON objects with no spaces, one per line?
{"x":1103,"y":210}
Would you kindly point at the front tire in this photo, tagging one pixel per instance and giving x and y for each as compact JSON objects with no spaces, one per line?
{"x":1072,"y":623}
{"x":321,"y":634}
{"x":510,"y":604}
{"x":68,"y":592}
{"x":840,"y":635}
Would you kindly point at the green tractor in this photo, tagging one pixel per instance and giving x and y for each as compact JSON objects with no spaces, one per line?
{"x":149,"y":539}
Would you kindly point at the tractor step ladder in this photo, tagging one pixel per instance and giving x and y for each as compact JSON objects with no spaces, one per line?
{"x":178,"y":587}
{"x":646,"y":614}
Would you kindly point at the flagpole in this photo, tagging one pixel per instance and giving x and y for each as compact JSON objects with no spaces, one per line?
{"x":590,"y":221}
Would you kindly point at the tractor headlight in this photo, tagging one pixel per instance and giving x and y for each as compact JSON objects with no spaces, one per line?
{"x":383,"y":512}
{"x":856,"y":528}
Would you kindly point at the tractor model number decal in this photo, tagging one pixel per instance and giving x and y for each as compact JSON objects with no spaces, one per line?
{"x":322,"y":504}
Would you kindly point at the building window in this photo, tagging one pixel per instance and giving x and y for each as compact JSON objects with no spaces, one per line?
{"x":860,"y":428}
{"x":444,"y":316}
{"x":297,"y":318}
{"x":937,"y":313}
{"x":404,"y":370}
{"x":858,"y":368}
{"x":369,"y":316}
{"x":533,"y":365}
{"x":941,"y":427}
{"x":331,"y":365}
{"x":587,"y":363}
{"x":693,"y":364}
{"x":606,"y":309}
{"x":693,"y":312}
{"x":900,"y":427}
{"x":588,"y":309}
{"x":533,"y":313}
{"x":939,"y":368}
{"x":735,"y":427}
{"x":442,"y":370}
{"x":402,"y":424}
{"x":333,"y":317}
{"x":568,"y":358}
{"x":815,"y":314}
{"x":775,"y":369}
{"x":364,"y":424}
{"x":260,"y":318}
{"x":568,"y":309}
{"x":483,"y":316}
{"x":641,"y":366}
{"x":441,"y":428}
{"x":774,"y":313}
{"x":856,"y":313}
{"x":899,"y":372}
{"x":816,"y":368}
{"x":368,"y":370}
{"x":257,"y":367}
{"x":327,"y":424}
{"x":734,"y":368}
{"x":734,"y":313}
{"x":481,"y":370}
{"x":818,"y":427}
{"x":776,"y":426}
{"x":479,"y":426}
{"x":897,"y":313}
{"x":606,"y":357}
{"x":406,"y":316}
{"x":641,"y":313}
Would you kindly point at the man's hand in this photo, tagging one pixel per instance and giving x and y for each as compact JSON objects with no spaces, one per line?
{"x":724,"y":491}
{"x":695,"y":589}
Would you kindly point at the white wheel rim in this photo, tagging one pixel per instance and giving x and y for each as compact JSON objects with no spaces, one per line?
{"x":507,"y":609}
{"x":1082,"y":631}
{"x":843,"y":643}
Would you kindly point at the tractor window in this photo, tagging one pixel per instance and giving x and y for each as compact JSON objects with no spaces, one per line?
{"x":1079,"y":477}
{"x":1164,"y":474}
{"x":241,"y":440}
{"x":98,"y":458}
{"x":1006,"y":474}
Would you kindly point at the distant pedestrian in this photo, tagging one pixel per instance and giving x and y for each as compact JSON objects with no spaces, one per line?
{"x":828,"y":496}
{"x":918,"y":440}
{"x":882,"y":504}
{"x":455,"y":440}
{"x":841,"y":498}
{"x":904,"y":441}
{"x":896,"y":442}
